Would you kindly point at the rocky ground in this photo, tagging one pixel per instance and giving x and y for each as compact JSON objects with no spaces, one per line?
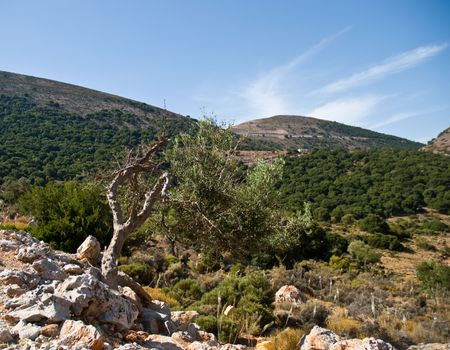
{"x":54,"y":300}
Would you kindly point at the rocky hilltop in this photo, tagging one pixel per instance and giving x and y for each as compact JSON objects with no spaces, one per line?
{"x":440,"y":144}
{"x":297,"y":132}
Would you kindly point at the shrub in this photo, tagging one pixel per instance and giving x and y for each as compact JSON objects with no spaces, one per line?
{"x":362,"y":253}
{"x":434,"y":275}
{"x":67,"y":213}
{"x":435,"y":225}
{"x":186,"y":291}
{"x":287,"y":339}
{"x":422,"y":243}
{"x":373,"y":223}
{"x":139,"y":271}
{"x":207,"y":322}
{"x":340,"y":263}
{"x":348,"y":219}
{"x":379,"y":240}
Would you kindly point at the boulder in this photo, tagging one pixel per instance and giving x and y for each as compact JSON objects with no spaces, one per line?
{"x":8,"y":245}
{"x":5,"y":333}
{"x":48,"y":270}
{"x":318,"y":339}
{"x":183,"y":319}
{"x":73,"y":269}
{"x":31,"y":253}
{"x":161,"y":342}
{"x":23,"y":279}
{"x":289,"y":294}
{"x":26,"y":330}
{"x":50,"y":330}
{"x":364,"y":344}
{"x":77,"y":335}
{"x":49,"y":307}
{"x":430,"y":346}
{"x":324,"y":339}
{"x":89,"y":250}
{"x":96,"y":301}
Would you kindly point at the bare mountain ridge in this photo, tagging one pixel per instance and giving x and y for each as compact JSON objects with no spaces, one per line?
{"x":73,"y":98}
{"x":298,"y":132}
{"x":440,"y":144}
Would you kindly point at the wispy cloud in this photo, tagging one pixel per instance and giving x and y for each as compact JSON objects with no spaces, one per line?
{"x":264,"y":97}
{"x":397,"y":117}
{"x":348,"y":110}
{"x":392,"y":65}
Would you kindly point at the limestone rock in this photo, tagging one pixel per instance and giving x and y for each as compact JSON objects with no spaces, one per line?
{"x":161,"y":342}
{"x":8,"y":245}
{"x":364,"y":344}
{"x":430,"y":346}
{"x":23,"y":279}
{"x":73,"y":269}
{"x":89,"y":250}
{"x":48,"y":270}
{"x":289,"y":294}
{"x":97,"y":301}
{"x":31,"y":253}
{"x":5,"y":334}
{"x":50,"y":330}
{"x":318,"y":339}
{"x":183,"y":319}
{"x":77,"y":335}
{"x":233,"y":347}
{"x":26,"y":330}
{"x":324,"y":339}
{"x":49,"y":307}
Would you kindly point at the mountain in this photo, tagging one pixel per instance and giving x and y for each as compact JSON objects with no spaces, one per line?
{"x":440,"y":144}
{"x":56,"y":131}
{"x":297,"y":132}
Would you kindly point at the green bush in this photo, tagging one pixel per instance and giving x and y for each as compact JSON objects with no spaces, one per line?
{"x":362,"y":253}
{"x":186,"y":291}
{"x":374,"y":224}
{"x":435,"y":225}
{"x":434,"y":275}
{"x":67,"y":213}
{"x":207,"y":322}
{"x":139,"y":271}
{"x":379,"y":240}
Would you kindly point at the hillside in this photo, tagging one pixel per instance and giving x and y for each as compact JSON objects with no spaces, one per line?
{"x":440,"y":144}
{"x":73,"y":98}
{"x":55,"y":131}
{"x":296,"y":132}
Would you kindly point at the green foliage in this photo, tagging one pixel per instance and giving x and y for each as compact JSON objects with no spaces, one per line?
{"x":48,"y":143}
{"x":186,"y":291}
{"x":434,"y":275}
{"x":383,"y":182}
{"x":139,"y":271}
{"x":436,"y":226}
{"x":67,"y":213}
{"x":374,"y":224}
{"x":362,"y":253}
{"x":216,"y":206}
{"x":382,"y":241}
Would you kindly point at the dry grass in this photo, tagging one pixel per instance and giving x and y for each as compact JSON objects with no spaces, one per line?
{"x":19,"y":223}
{"x":287,"y":339}
{"x":341,"y":324}
{"x":159,"y":294}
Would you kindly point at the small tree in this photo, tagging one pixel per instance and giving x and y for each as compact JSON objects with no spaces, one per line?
{"x":132,"y":177}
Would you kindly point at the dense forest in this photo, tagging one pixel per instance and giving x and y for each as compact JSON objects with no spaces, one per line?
{"x":384,"y":182}
{"x":48,"y":143}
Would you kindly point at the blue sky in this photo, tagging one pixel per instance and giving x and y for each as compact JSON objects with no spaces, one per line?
{"x":383,"y":65}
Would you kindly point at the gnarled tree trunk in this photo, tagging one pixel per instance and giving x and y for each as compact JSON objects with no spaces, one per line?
{"x":121,"y":227}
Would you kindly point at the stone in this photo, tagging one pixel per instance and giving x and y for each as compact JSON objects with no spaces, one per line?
{"x":49,"y":307}
{"x":183,"y":319}
{"x":154,"y":321}
{"x":324,"y":339}
{"x":23,"y":279}
{"x":48,"y":270}
{"x":73,"y":269}
{"x":97,"y":301}
{"x":289,"y":294}
{"x":128,"y":293}
{"x":162,"y":342}
{"x":89,"y":250}
{"x":31,"y":253}
{"x":8,"y":245}
{"x":318,"y":339}
{"x":5,"y":334}
{"x":233,"y":347}
{"x":430,"y":346}
{"x":200,"y":346}
{"x":26,"y":330}
{"x":14,"y":291}
{"x":75,"y":334}
{"x":50,"y":330}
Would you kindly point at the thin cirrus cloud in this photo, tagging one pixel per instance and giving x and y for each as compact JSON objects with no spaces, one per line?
{"x":264,"y":95}
{"x":348,"y":110}
{"x":397,"y":117}
{"x":393,"y":65}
